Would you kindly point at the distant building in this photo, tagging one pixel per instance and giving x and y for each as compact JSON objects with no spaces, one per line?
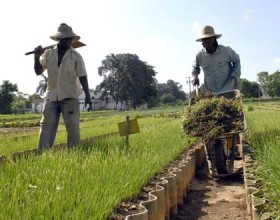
{"x":97,"y":103}
{"x":37,"y":105}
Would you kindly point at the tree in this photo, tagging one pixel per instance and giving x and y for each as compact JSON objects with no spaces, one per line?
{"x":127,"y":79}
{"x":42,"y":87}
{"x":6,"y":96}
{"x":270,"y":83}
{"x":170,"y":92}
{"x":264,"y":80}
{"x":275,"y":84}
{"x":256,"y":91}
{"x":249,"y":89}
{"x":19,"y":102}
{"x":167,"y":98}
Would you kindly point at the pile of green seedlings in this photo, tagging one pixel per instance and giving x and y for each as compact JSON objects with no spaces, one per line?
{"x":210,"y":116}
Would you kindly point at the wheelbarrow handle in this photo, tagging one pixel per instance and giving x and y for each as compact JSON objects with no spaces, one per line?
{"x":196,"y":91}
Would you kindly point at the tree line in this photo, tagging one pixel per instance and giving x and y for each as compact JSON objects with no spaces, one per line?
{"x":127,"y":79}
{"x":268,"y":85}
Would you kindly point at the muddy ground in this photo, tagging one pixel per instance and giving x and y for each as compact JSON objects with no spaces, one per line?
{"x":210,"y":198}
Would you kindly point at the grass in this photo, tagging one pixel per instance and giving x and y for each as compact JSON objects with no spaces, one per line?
{"x":264,"y":137}
{"x":91,"y":180}
{"x":92,"y":124}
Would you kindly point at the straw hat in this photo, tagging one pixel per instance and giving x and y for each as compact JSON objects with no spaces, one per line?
{"x":64,"y":31}
{"x":208,"y":31}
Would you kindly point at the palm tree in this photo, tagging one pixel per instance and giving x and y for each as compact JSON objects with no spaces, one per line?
{"x":41,"y":89}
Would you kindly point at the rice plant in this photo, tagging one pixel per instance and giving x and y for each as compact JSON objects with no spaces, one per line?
{"x":91,"y":180}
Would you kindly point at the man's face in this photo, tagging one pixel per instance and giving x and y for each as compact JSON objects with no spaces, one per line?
{"x":208,"y":42}
{"x":65,"y":42}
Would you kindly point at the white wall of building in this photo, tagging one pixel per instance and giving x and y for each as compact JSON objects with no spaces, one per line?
{"x":97,"y":104}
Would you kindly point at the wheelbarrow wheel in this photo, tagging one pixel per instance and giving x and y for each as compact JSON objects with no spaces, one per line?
{"x":220,"y":157}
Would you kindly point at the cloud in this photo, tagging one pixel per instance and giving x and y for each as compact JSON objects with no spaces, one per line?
{"x":248,"y":15}
{"x":276,"y":60}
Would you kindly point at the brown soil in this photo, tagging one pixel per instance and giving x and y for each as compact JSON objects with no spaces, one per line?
{"x":210,"y":198}
{"x":17,"y":130}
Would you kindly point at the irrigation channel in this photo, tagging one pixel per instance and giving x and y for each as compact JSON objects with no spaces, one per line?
{"x":220,"y":198}
{"x":210,"y":198}
{"x":205,"y":197}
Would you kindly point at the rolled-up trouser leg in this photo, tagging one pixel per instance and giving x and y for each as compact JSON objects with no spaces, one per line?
{"x":48,"y":125}
{"x":71,"y":115}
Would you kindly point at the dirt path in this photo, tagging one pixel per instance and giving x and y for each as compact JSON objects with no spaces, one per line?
{"x":214,"y":199}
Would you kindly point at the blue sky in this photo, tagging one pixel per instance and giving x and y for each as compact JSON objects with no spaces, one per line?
{"x":160,"y":32}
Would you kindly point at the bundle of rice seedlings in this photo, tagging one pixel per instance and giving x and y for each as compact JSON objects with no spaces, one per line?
{"x":211,"y":116}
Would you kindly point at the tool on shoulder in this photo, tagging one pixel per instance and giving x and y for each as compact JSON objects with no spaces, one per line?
{"x":75,"y":44}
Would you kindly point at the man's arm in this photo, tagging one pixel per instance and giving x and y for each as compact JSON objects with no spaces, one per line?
{"x":236,"y":69}
{"x":84,"y":83}
{"x":37,"y":65}
{"x":236,"y":66}
{"x":195,"y":72}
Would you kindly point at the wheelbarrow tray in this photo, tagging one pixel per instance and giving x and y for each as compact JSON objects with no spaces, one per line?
{"x":221,"y":151}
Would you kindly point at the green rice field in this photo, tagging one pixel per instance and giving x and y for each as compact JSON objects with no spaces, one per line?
{"x":90,"y":181}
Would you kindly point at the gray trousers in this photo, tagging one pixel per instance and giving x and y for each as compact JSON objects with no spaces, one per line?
{"x":69,"y":108}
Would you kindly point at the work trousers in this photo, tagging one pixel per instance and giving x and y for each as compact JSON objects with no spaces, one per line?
{"x":70,"y":111}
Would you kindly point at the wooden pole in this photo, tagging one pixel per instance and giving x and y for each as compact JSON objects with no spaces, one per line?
{"x":127,"y":130}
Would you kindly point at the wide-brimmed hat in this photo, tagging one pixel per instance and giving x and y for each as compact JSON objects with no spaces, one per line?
{"x":208,"y":31}
{"x":64,"y":31}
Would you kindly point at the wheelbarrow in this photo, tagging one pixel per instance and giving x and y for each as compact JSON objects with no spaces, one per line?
{"x":223,"y":151}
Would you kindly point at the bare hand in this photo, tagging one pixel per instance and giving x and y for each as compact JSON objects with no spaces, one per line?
{"x":88,"y":103}
{"x":195,"y":81}
{"x":38,"y":51}
{"x":233,"y":83}
{"x":89,"y":108}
